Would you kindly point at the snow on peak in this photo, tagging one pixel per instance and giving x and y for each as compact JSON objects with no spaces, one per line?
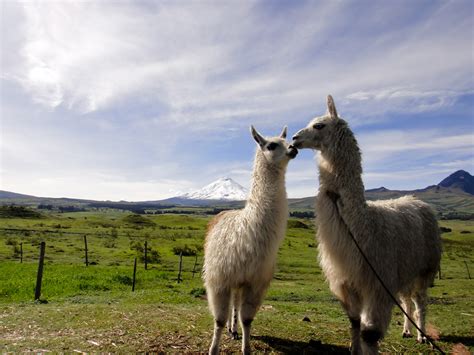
{"x":222,"y":189}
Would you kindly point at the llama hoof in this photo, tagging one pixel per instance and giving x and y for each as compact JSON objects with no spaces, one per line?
{"x":354,"y":348}
{"x":422,"y":340}
{"x":233,"y":335}
{"x":407,"y":335}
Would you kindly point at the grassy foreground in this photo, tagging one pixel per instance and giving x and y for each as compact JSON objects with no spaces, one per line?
{"x":93,"y":309}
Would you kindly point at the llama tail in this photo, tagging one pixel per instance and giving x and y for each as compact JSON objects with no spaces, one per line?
{"x":234,"y":309}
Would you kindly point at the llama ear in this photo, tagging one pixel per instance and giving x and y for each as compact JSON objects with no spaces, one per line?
{"x":283,"y":133}
{"x":331,"y":107}
{"x":258,"y":138}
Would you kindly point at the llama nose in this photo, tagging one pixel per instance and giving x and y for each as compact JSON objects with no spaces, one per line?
{"x":296,"y":136}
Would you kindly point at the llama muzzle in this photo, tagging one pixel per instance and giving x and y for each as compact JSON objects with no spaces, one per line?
{"x":293,"y":152}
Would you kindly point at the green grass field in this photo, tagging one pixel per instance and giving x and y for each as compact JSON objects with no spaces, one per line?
{"x":93,"y":309}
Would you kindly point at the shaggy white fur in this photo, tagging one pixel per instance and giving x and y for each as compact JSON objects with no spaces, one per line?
{"x":400,"y":237}
{"x":241,"y":246}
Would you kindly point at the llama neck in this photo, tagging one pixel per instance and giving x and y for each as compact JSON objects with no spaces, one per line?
{"x":267,"y":194}
{"x":340,"y":169}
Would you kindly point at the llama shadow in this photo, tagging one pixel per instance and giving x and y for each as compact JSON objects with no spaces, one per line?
{"x":454,"y":339}
{"x":287,"y":346}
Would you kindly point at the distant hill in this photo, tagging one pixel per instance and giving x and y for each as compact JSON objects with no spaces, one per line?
{"x":7,"y":197}
{"x":14,"y":195}
{"x":459,"y":180}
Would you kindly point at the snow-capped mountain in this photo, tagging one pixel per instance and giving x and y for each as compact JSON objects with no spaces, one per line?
{"x":222,"y":189}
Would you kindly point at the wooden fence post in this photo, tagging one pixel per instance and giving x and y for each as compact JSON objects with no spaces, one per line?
{"x":180,"y":266}
{"x":86,"y":251}
{"x":134,"y":274}
{"x":39,"y":277}
{"x":146,"y":255}
{"x":21,"y":252}
{"x":195,"y":264}
{"x":467,"y":268}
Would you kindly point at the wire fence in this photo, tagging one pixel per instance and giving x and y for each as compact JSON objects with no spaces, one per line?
{"x":49,"y":246}
{"x":141,"y":250}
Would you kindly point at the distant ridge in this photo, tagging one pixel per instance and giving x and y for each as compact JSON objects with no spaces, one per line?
{"x":378,"y":189}
{"x":13,"y":195}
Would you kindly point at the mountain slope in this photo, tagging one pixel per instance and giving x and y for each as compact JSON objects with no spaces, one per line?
{"x":459,"y":180}
{"x":222,"y":189}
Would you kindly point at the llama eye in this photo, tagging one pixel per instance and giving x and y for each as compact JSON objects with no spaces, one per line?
{"x":319,"y":126}
{"x":272,"y":146}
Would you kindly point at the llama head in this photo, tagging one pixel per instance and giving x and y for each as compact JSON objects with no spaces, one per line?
{"x":276,"y":150}
{"x":320,"y":131}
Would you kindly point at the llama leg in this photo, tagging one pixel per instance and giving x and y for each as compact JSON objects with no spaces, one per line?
{"x":374,"y":323}
{"x":355,"y":336}
{"x":234,"y":313}
{"x":408,"y":307}
{"x":219,"y":303}
{"x":251,"y":300}
{"x":352,"y":305}
{"x":420,"y":299}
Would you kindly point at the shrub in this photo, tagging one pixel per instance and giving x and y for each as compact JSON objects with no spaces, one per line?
{"x":445,"y":230}
{"x":136,"y":245}
{"x":185,"y":249}
{"x":292,"y":223}
{"x":123,"y":279}
{"x":110,"y":243}
{"x":83,"y":286}
{"x":138,"y":221}
{"x":300,"y":214}
{"x":11,"y":241}
{"x":16,"y":251}
{"x":153,"y":256}
{"x":114,"y":233}
{"x":198,"y":292}
{"x":18,"y":212}
{"x":36,"y":241}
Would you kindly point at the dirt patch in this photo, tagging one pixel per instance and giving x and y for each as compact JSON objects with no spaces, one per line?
{"x":460,"y":349}
{"x":432,"y":331}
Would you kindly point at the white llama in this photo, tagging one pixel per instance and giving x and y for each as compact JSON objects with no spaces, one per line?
{"x":400,"y":237}
{"x":241,"y":245}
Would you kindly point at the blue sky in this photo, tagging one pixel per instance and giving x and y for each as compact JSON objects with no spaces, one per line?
{"x":140,"y":100}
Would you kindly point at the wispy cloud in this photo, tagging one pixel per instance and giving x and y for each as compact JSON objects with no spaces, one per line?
{"x":405,"y":99}
{"x":86,"y":56}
